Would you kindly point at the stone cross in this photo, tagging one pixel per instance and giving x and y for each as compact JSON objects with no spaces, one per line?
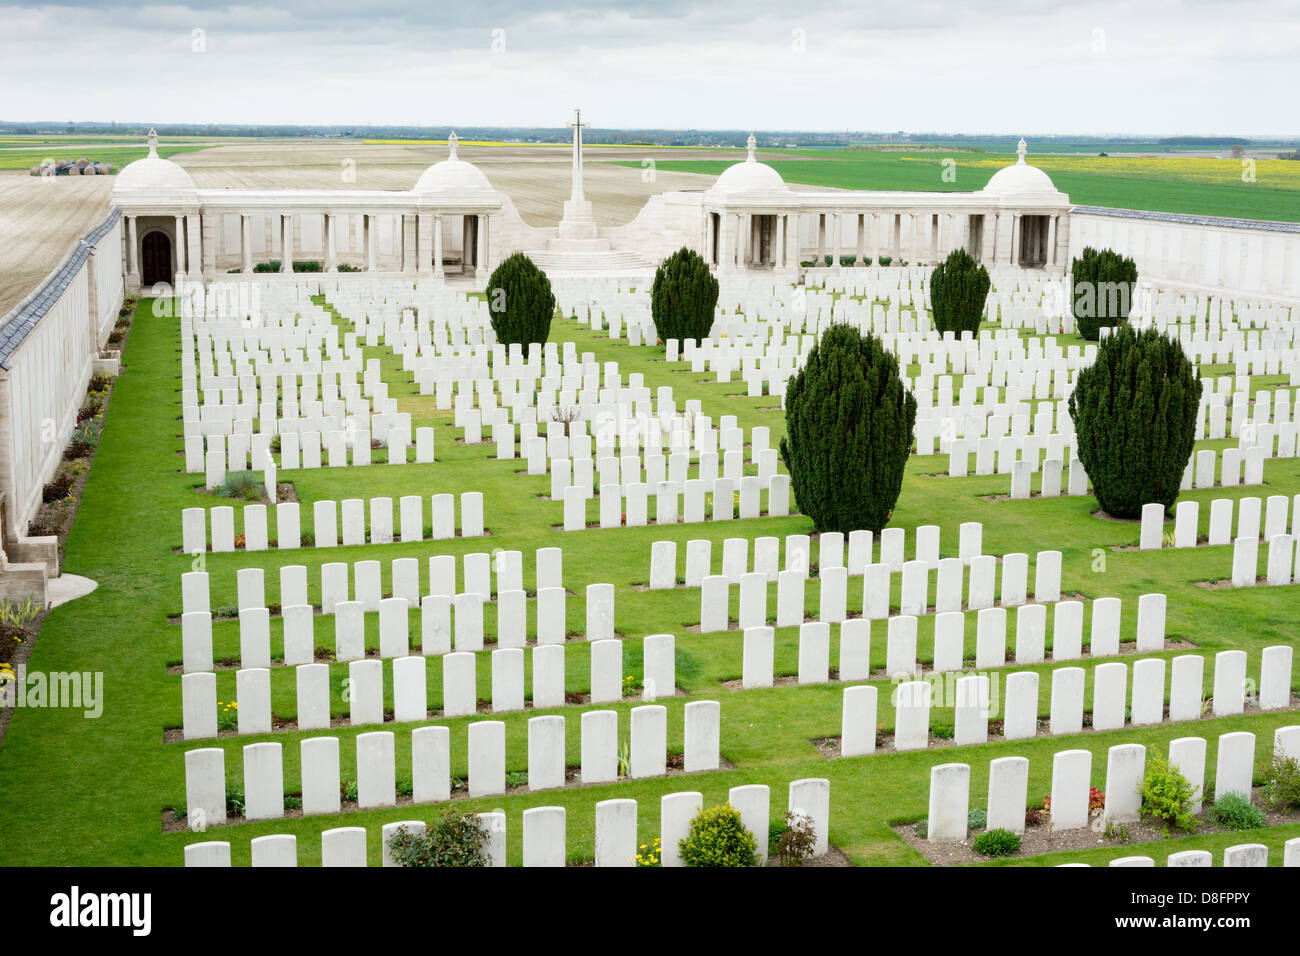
{"x":452,"y":140}
{"x":1021,"y":149}
{"x":577,"y":126}
{"x":750,"y":144}
{"x":153,"y":142}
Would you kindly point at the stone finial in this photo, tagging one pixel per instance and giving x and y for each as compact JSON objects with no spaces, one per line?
{"x":153,"y":143}
{"x":1021,"y":149}
{"x":750,"y":144}
{"x":452,"y":140}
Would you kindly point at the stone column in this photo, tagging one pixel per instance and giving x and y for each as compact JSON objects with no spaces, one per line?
{"x":437,"y":247}
{"x":726,"y":257}
{"x":194,"y":251}
{"x":859,"y":234}
{"x":245,"y":243}
{"x":1014,"y":258}
{"x":132,"y":252}
{"x":1050,"y":251}
{"x":330,"y":232}
{"x":286,"y":243}
{"x":778,"y":246}
{"x":423,"y":241}
{"x":821,"y":239}
{"x":409,"y":234}
{"x":368,"y":240}
{"x":178,"y":246}
{"x":481,"y":253}
{"x":836,"y":229}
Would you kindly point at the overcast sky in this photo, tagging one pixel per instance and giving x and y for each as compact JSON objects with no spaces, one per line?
{"x":996,"y":66}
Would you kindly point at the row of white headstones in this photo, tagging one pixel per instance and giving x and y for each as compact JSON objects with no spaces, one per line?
{"x":544,"y":839}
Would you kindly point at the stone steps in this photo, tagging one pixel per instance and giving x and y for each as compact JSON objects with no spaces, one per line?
{"x":592,"y":262}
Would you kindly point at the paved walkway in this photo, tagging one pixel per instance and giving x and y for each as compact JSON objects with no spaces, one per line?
{"x":68,"y":587}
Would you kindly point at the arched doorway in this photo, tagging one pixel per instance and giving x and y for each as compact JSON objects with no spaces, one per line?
{"x":155,"y":259}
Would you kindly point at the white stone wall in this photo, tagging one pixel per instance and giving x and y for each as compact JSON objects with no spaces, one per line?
{"x":47,"y":379}
{"x":110,"y":282}
{"x":1232,"y":256}
{"x":665,"y":223}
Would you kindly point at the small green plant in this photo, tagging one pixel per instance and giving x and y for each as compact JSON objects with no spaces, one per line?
{"x":1116,"y":832}
{"x":798,"y":841}
{"x":453,"y":838}
{"x":234,"y":800}
{"x":944,"y":731}
{"x":977,"y":819}
{"x":921,"y":828}
{"x":1281,"y":788}
{"x":517,"y":778}
{"x":1167,"y":796}
{"x":996,"y":843}
{"x":718,"y":837}
{"x":624,"y":760}
{"x":828,"y":259}
{"x":292,"y":803}
{"x":1232,"y":811}
{"x":240,"y":484}
{"x":348,"y":789}
{"x":886,"y":260}
{"x":649,"y":854}
{"x":227,"y":715}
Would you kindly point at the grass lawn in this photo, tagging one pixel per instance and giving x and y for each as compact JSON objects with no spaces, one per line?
{"x":1194,"y":185}
{"x":93,"y":791}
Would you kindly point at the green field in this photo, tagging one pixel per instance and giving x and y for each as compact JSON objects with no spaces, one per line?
{"x":119,"y":156}
{"x":1193,"y":185}
{"x":97,"y":791}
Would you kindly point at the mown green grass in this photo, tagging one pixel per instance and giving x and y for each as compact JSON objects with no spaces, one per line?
{"x":1189,"y":185}
{"x":81,"y":791}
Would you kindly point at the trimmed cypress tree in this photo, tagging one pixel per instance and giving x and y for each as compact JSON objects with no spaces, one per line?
{"x":1102,"y":286}
{"x":848,"y":421}
{"x":683,"y":297}
{"x":520,"y":301}
{"x":958,"y":288}
{"x":1134,"y":412}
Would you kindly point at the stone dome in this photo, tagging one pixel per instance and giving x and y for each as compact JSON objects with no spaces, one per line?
{"x":1021,"y":180}
{"x":748,"y":178}
{"x":452,"y":175}
{"x":153,"y":174}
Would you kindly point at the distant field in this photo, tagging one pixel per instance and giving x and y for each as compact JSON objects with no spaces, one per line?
{"x":1192,"y":185}
{"x":119,"y":156}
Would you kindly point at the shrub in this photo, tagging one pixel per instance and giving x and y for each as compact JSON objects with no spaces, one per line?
{"x":348,"y":267}
{"x":798,"y":841}
{"x":848,"y":260}
{"x":1102,"y":285}
{"x":849,"y":425}
{"x":453,"y":838}
{"x":1281,"y":789}
{"x":240,"y":484}
{"x":1134,"y":410}
{"x":58,"y":489}
{"x":886,"y":260}
{"x":996,"y":843}
{"x":828,"y":259}
{"x":866,"y":260}
{"x":958,"y":288}
{"x":1166,"y":796}
{"x":520,"y":301}
{"x":1232,"y":811}
{"x":718,"y":837}
{"x":683,"y":297}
